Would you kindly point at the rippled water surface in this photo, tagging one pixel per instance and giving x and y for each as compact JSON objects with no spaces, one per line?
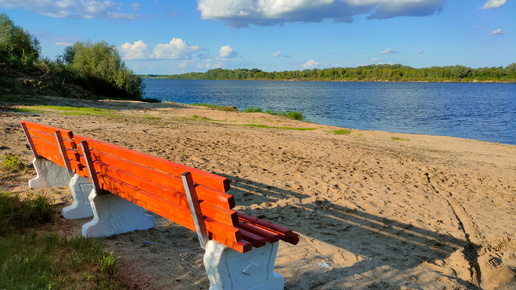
{"x":477,"y":111}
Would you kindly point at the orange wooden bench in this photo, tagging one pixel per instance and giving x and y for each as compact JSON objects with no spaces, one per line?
{"x":57,"y":164}
{"x":51,"y":146}
{"x":240,"y":249}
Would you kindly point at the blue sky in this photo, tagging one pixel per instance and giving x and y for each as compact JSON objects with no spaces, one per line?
{"x":178,"y":36}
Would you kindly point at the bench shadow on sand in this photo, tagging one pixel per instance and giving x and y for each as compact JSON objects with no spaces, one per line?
{"x":382,"y":244}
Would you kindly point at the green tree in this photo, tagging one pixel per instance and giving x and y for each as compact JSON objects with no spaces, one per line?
{"x":17,"y":46}
{"x":99,"y":67}
{"x":460,"y":71}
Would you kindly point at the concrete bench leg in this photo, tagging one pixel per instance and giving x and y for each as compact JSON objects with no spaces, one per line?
{"x":229,"y":269}
{"x":49,"y":174}
{"x":81,"y":207}
{"x":114,"y":215}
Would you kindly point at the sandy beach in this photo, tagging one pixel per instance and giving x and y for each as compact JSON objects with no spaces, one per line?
{"x":373,"y":209}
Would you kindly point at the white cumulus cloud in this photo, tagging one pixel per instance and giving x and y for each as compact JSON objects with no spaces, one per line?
{"x":175,"y":49}
{"x":80,"y":9}
{"x":137,"y":50}
{"x":498,"y":32}
{"x":389,"y":51}
{"x":376,"y":59}
{"x":227,"y":52}
{"x":241,"y":13}
{"x":491,"y":4}
{"x":310,"y":64}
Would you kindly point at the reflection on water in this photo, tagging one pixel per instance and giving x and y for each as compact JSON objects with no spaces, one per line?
{"x":476,"y":111}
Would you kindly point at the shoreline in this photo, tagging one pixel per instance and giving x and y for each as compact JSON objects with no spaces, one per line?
{"x":373,"y":208}
{"x":344,"y":81}
{"x":233,"y":109}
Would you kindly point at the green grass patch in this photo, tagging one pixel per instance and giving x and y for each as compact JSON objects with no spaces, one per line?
{"x":291,"y":115}
{"x":285,"y":128}
{"x":47,"y":261}
{"x":217,"y":107}
{"x":68,"y":111}
{"x":253,"y":110}
{"x":11,"y":163}
{"x":27,"y":110}
{"x":340,"y":132}
{"x":399,"y":139}
{"x":16,"y":214}
{"x":32,"y":260}
{"x":96,"y":111}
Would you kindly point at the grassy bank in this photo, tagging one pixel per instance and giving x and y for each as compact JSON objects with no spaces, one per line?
{"x":33,"y":258}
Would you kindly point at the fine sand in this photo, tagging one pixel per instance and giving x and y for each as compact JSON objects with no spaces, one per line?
{"x":373,"y":209}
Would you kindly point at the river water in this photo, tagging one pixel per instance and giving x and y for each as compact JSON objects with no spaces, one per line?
{"x":468,"y":110}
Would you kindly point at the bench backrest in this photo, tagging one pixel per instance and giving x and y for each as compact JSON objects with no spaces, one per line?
{"x":54,"y":144}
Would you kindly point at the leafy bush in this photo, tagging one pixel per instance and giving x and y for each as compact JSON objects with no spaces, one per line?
{"x":98,"y":67}
{"x":295,"y":116}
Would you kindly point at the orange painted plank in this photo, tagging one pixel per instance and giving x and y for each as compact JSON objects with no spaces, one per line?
{"x":286,"y":235}
{"x":241,"y":246}
{"x":54,"y":148}
{"x":77,"y":167}
{"x":50,"y":155}
{"x":256,"y":240}
{"x":270,"y":236}
{"x":219,"y":198}
{"x":45,"y":144}
{"x":211,"y":180}
{"x":226,"y":216}
{"x":48,"y":129}
{"x":221,"y":214}
{"x":69,"y":144}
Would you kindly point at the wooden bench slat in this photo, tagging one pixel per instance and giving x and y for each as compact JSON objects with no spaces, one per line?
{"x":166,"y":208}
{"x":241,"y":246}
{"x":211,"y":180}
{"x":207,"y":194}
{"x":268,"y":235}
{"x":221,"y":214}
{"x":50,"y":154}
{"x":52,"y":147}
{"x":286,"y":235}
{"x":55,"y":157}
{"x":256,"y":240}
{"x":69,"y":144}
{"x":48,"y":129}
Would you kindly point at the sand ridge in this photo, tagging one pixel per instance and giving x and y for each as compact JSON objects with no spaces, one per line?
{"x":415,"y":211}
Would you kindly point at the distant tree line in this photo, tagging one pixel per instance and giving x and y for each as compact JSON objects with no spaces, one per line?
{"x":369,"y":73}
{"x":96,"y":67}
